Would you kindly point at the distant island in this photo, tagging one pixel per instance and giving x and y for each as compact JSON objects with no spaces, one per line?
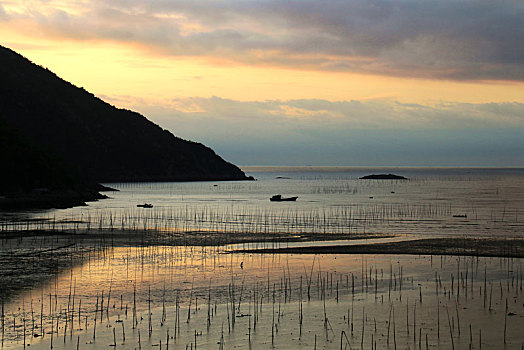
{"x":383,"y":177}
{"x":58,"y":142}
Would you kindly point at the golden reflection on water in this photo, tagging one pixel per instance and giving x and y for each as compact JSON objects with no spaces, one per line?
{"x":177,"y":270}
{"x":112,"y":282}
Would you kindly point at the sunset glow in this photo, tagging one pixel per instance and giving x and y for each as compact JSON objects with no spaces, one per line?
{"x":177,"y":62}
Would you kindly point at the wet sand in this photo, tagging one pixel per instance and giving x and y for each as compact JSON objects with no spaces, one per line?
{"x":29,"y":258}
{"x":359,"y":296}
{"x":466,"y":246}
{"x":296,"y":300}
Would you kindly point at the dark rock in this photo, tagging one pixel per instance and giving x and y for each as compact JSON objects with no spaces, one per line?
{"x":383,"y":177}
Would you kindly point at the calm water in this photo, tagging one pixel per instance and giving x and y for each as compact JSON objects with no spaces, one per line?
{"x":138,"y":297}
{"x":331,"y":200}
{"x":141,"y":297}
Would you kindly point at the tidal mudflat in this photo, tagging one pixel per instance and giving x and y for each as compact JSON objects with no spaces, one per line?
{"x":207,"y":297}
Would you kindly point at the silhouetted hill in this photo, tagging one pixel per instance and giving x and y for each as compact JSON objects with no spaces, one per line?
{"x":66,"y":131}
{"x":31,"y":178}
{"x":21,"y":160}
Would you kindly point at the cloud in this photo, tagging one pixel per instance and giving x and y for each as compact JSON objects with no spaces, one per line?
{"x":3,"y":14}
{"x":220,"y":118}
{"x":445,"y":39}
{"x":366,"y":133}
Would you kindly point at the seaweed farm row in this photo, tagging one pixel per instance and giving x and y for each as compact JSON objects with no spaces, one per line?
{"x":196,"y":297}
{"x":443,"y":201}
{"x":359,"y":219}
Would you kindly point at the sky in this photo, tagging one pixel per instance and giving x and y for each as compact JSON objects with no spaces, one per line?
{"x":298,"y":82}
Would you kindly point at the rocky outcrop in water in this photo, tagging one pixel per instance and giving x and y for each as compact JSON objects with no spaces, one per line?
{"x":383,"y":177}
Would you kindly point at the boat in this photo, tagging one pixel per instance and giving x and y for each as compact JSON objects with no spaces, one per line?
{"x":279,"y":198}
{"x":145,"y":205}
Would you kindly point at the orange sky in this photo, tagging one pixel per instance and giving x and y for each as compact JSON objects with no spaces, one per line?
{"x":306,"y":70}
{"x":121,"y":69}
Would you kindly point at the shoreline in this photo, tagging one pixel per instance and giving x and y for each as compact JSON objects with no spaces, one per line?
{"x":33,"y":257}
{"x":118,"y":237}
{"x":29,"y":258}
{"x":463,"y":246}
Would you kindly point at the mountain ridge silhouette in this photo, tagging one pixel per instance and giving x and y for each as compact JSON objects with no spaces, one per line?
{"x":60,"y":136}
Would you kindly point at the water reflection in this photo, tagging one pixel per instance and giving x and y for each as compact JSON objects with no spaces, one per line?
{"x":148,"y":289}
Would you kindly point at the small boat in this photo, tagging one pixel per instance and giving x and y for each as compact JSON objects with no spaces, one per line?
{"x":279,"y":198}
{"x":460,"y":216}
{"x":145,"y":205}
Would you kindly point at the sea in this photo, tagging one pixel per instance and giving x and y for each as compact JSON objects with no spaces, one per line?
{"x":432,"y":201}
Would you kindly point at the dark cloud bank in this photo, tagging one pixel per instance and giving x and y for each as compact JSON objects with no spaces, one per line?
{"x":445,"y":39}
